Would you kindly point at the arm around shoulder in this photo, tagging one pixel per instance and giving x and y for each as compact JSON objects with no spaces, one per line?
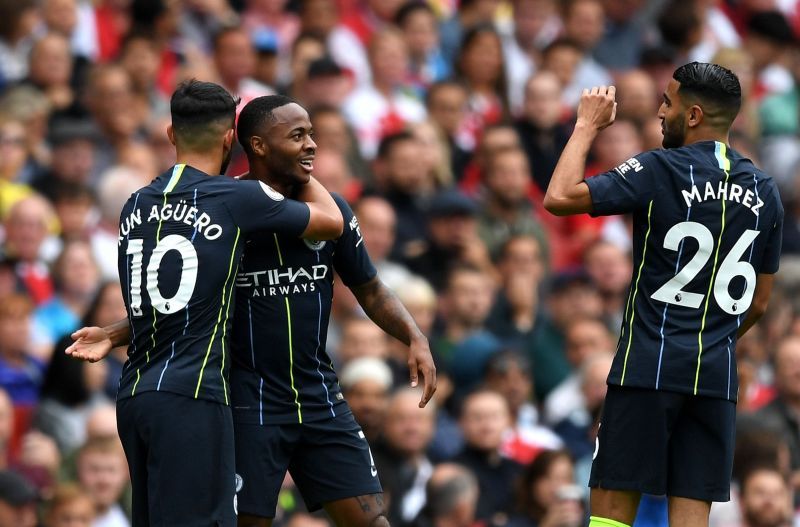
{"x":325,"y":221}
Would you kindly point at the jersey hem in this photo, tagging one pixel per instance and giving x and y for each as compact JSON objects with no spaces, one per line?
{"x":675,"y":389}
{"x":124,"y":393}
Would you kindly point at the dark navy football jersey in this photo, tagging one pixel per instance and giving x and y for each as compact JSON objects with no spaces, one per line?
{"x":706,"y":223}
{"x":281,"y":372}
{"x":180,"y":241}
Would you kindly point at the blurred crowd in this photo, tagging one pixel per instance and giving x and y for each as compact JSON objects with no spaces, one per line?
{"x":441,"y":123}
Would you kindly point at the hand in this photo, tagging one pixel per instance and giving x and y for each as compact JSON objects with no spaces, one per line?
{"x":565,"y":513}
{"x":91,"y":344}
{"x":597,"y":107}
{"x":420,"y":361}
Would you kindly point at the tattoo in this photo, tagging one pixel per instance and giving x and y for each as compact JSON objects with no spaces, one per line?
{"x":363,"y":503}
{"x":379,"y":499}
{"x":386,"y":310}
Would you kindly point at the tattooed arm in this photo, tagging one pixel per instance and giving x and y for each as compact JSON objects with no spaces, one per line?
{"x":386,"y":310}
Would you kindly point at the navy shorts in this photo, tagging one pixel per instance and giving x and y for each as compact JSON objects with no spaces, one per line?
{"x":665,"y":443}
{"x":329,"y":460}
{"x":181,"y":459}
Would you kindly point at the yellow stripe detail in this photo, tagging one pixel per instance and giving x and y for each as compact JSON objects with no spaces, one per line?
{"x":138,"y":378}
{"x":278,"y":247}
{"x":177,"y":171}
{"x":633,"y":298}
{"x":224,"y":332}
{"x":291,"y":361}
{"x":219,"y":318}
{"x":710,"y":285}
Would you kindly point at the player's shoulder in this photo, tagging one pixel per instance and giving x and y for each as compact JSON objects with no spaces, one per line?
{"x":342,"y":203}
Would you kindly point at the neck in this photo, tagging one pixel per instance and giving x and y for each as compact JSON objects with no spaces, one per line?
{"x":706,"y":134}
{"x":260,"y":172}
{"x":202,"y":161}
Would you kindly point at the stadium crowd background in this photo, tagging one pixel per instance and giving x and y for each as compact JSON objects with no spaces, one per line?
{"x":441,"y":122}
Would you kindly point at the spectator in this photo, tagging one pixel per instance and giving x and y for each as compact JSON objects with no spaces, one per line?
{"x":480,"y":67}
{"x":50,"y":70}
{"x":484,"y":419}
{"x":365,"y":384}
{"x":610,"y":269}
{"x":75,"y":209}
{"x":378,"y":222}
{"x":70,"y":507}
{"x":235,"y":62}
{"x":272,"y":16}
{"x":779,"y":414}
{"x":75,"y":276}
{"x":509,"y":374}
{"x":17,"y":501}
{"x":470,"y":14}
{"x":19,"y":19}
{"x":400,"y":457}
{"x":21,"y":373}
{"x":450,"y":497}
{"x":435,"y":152}
{"x":507,"y":210}
{"x":547,"y":495}
{"x":384,"y":106}
{"x":361,"y":338}
{"x":542,"y":131}
{"x":6,"y":429}
{"x":418,"y":23}
{"x":464,"y":344}
{"x":103,"y":474}
{"x":584,"y":24}
{"x":13,"y":159}
{"x":446,"y":103}
{"x":768,"y":39}
{"x":139,"y":56}
{"x":331,"y":131}
{"x":493,"y":139}
{"x":625,"y":35}
{"x":562,"y":58}
{"x":29,"y":106}
{"x":267,"y":69}
{"x":765,"y":499}
{"x":405,"y":183}
{"x":636,"y":99}
{"x":584,"y":338}
{"x":74,"y":149}
{"x":452,"y":239}
{"x":331,"y":169}
{"x":327,"y":84}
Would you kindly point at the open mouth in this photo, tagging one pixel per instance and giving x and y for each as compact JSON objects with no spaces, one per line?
{"x":307,"y":164}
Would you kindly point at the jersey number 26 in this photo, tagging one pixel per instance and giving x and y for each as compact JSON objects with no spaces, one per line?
{"x":672,"y":292}
{"x":173,"y":242}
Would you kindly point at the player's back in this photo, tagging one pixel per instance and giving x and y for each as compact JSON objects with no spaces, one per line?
{"x":706,"y":223}
{"x":181,"y":238}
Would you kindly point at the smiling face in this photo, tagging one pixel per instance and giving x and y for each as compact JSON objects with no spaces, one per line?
{"x":673,"y":120}
{"x":287,"y":145}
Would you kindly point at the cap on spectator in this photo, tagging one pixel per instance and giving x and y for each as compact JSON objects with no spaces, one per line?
{"x":16,"y":490}
{"x":566,"y":279}
{"x":772,"y":26}
{"x":370,"y":368}
{"x":265,"y":41}
{"x":324,"y":67}
{"x":451,"y":203}
{"x":66,"y":130}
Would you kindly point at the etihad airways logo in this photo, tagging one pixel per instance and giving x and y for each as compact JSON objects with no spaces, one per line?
{"x":285,"y":281}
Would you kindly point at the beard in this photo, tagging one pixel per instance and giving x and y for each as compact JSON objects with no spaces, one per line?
{"x":674,"y":134}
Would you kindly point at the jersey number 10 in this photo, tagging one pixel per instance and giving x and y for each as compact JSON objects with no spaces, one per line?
{"x":672,"y":292}
{"x":173,"y":242}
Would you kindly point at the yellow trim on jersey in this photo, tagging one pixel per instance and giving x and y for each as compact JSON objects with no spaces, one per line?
{"x":278,"y":247}
{"x":724,"y":164}
{"x":224,"y":332}
{"x":291,"y":362}
{"x":633,"y":298}
{"x":177,"y":172}
{"x":138,"y":378}
{"x":219,"y":319}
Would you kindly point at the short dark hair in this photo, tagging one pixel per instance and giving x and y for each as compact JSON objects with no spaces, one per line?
{"x":445,"y":83}
{"x":388,"y":142}
{"x":254,"y":114}
{"x":716,"y":87}
{"x":201,"y":111}
{"x":407,"y":9}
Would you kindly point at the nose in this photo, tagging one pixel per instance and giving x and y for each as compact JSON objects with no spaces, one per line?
{"x":310,"y":144}
{"x":661,"y":111}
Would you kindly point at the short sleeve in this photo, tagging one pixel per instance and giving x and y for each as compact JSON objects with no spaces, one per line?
{"x":350,"y":259}
{"x":772,"y":250}
{"x":258,"y":207}
{"x":628,"y":187}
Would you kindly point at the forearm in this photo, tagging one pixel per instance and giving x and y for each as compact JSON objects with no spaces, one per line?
{"x":384,"y":308}
{"x":119,"y":333}
{"x":753,"y":316}
{"x":564,"y":188}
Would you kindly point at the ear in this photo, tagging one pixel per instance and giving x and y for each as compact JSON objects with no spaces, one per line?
{"x":229,"y":138}
{"x":171,"y":134}
{"x":259,"y":145}
{"x":694,"y":116}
